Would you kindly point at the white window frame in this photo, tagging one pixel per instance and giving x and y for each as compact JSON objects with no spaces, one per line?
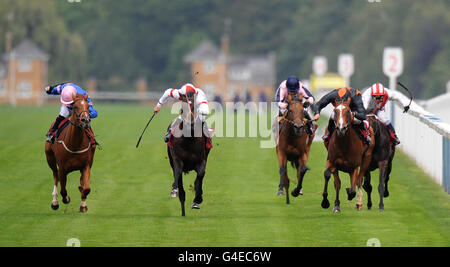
{"x":24,"y":89}
{"x":24,"y":65}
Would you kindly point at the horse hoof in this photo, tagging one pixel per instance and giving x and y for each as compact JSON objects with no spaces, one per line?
{"x":174,"y":193}
{"x":195,"y":206}
{"x":359,"y":207}
{"x":55,"y":207}
{"x":325,"y":204}
{"x":381,"y":209}
{"x":280,"y":192}
{"x":83,"y":209}
{"x":351,"y":195}
{"x":66,"y":200}
{"x":336,"y":209}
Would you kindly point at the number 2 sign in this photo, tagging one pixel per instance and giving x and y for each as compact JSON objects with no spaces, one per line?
{"x":393,"y":62}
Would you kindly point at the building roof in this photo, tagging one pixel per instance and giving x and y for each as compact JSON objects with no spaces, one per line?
{"x":27,"y":50}
{"x":205,"y":51}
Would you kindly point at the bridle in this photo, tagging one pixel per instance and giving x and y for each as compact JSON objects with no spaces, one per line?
{"x":78,"y":123}
{"x":294,"y":99}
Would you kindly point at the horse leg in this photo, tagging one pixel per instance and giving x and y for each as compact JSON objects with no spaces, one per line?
{"x":199,"y":186}
{"x":85,"y":187}
{"x":181,"y":194}
{"x":284,"y":180}
{"x":359,"y":200}
{"x":301,"y":171}
{"x":337,"y":187}
{"x":62,"y":176}
{"x":368,"y":187}
{"x":388,"y":174}
{"x":351,"y":192}
{"x":382,"y":165}
{"x":327,"y":174}
{"x":54,"y":167}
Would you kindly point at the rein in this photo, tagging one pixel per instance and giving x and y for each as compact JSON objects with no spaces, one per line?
{"x":76,"y":124}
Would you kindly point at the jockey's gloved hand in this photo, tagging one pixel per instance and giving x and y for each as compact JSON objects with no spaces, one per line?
{"x":356,"y":121}
{"x":405,"y":110}
{"x":48,"y":89}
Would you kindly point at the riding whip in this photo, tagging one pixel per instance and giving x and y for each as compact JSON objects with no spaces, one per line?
{"x":410,"y":95}
{"x":137,"y":145}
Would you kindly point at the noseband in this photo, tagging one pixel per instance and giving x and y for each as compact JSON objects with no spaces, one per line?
{"x":78,"y":116}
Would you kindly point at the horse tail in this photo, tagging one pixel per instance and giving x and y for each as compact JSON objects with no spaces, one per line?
{"x":294,"y":164}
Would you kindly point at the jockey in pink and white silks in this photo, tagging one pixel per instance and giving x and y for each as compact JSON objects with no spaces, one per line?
{"x":201,"y":103}
{"x":293,"y":84}
{"x":381,"y":95}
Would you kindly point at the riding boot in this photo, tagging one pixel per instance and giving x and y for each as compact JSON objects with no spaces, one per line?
{"x":329,"y":132}
{"x":394,"y":139}
{"x":207,"y":135}
{"x":365,"y":132}
{"x":51,"y":132}
{"x":169,"y":131}
{"x":310,"y":128}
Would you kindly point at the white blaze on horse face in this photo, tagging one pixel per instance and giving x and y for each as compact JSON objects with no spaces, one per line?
{"x":341,"y":120}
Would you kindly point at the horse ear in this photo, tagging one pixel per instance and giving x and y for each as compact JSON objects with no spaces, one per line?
{"x":74,"y":96}
{"x":348,"y":101}
{"x":86,"y":96}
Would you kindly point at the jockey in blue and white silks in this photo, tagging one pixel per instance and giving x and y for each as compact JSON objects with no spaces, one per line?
{"x":66,"y":90}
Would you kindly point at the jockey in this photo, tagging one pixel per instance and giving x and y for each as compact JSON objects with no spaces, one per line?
{"x":381,"y":95}
{"x":201,"y":102}
{"x":356,"y":105}
{"x":66,"y":90}
{"x":293,"y":84}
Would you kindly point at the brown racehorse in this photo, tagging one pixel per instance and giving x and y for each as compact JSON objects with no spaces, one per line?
{"x":294,"y":144}
{"x":187,"y":152}
{"x":382,"y":156}
{"x":72,"y":151}
{"x":346,"y":152}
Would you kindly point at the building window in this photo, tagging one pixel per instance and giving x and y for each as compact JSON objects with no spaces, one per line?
{"x":209,"y":66}
{"x":24,"y":65}
{"x":24,"y":89}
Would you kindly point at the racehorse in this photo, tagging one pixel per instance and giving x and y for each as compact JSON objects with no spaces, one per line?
{"x":73,"y":150}
{"x":346,"y":152}
{"x":294,"y":144}
{"x":187,"y":152}
{"x":382,"y":156}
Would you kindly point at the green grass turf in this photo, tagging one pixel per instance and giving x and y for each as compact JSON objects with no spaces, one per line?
{"x":129,"y":204}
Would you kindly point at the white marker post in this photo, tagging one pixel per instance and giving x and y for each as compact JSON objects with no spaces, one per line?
{"x":393,"y":68}
{"x":320,"y":66}
{"x":346,"y":67}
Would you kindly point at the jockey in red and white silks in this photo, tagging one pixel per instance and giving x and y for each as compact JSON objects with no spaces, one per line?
{"x":381,"y":95}
{"x":201,"y":103}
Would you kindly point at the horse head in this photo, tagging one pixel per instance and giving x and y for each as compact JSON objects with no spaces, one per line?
{"x":80,"y":114}
{"x":294,"y":112}
{"x":342,"y":116}
{"x":188,"y":112}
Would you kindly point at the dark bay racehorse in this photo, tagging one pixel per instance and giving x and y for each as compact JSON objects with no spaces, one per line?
{"x":72,"y":151}
{"x":346,"y":152}
{"x":382,"y":156}
{"x":187,"y":152}
{"x":294,"y":144}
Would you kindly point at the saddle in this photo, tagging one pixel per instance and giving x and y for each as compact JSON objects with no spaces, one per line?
{"x":64,"y":124}
{"x":209,"y":144}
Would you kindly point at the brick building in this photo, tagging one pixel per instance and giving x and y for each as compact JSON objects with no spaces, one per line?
{"x":227,"y":76}
{"x":23,"y":75}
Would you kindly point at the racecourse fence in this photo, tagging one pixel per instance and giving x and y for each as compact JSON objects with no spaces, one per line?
{"x":425,"y":138}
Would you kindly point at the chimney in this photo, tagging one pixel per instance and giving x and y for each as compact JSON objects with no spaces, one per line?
{"x":225,"y":45}
{"x":8,"y":42}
